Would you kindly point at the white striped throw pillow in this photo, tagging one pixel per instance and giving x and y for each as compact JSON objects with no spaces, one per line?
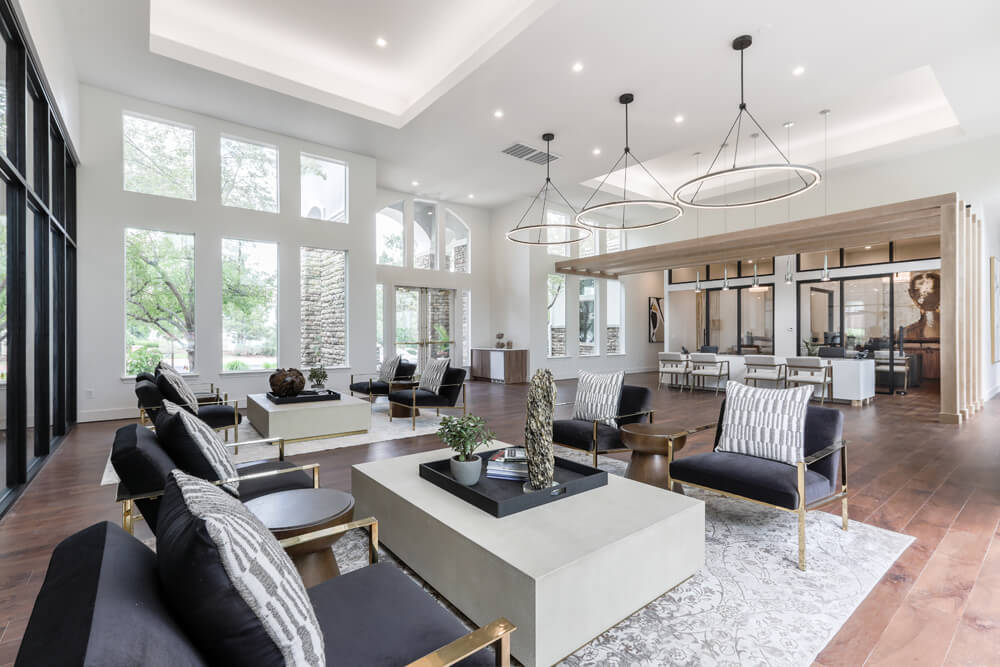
{"x":766,"y":423}
{"x":208,"y":443}
{"x":598,"y":396}
{"x":388,"y":370}
{"x":432,"y":376}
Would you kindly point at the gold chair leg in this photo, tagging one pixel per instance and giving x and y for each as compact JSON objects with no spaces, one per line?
{"x":802,"y":514}
{"x":127,"y":516}
{"x":843,"y":486}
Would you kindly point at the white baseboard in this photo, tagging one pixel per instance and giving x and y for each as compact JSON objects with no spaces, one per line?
{"x":107,"y":414}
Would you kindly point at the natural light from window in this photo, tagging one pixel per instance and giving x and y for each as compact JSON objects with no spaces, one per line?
{"x":158,"y":157}
{"x":324,"y":188}
{"x":389,"y":235}
{"x":249,"y":305}
{"x":249,"y":175}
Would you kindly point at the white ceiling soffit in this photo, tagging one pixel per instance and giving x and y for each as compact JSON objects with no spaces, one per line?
{"x":326,"y":52}
{"x":903,"y":107}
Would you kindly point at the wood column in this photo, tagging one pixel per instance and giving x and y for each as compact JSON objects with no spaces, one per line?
{"x":950,"y":295}
{"x":979,"y":308}
{"x":962,"y":310}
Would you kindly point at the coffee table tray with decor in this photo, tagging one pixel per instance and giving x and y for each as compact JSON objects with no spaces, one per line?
{"x":503,"y":497}
{"x":305,"y":396}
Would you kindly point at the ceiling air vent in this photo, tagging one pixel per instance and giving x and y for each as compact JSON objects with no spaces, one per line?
{"x":525,"y":152}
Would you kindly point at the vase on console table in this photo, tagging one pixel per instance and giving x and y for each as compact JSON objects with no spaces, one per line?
{"x":538,"y":431}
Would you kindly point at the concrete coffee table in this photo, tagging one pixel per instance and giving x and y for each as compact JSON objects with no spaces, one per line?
{"x":297,"y":511}
{"x":563,"y":572}
{"x":309,"y":421}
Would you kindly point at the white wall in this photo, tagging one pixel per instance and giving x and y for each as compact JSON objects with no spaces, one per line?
{"x":478,"y":280}
{"x":105,"y":210}
{"x":50,"y":42}
{"x":520,"y":305}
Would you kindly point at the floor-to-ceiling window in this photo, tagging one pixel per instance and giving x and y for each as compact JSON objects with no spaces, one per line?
{"x":589,"y":340}
{"x":249,"y":305}
{"x":38,"y":260}
{"x":615,"y":326}
{"x":556,"y":312}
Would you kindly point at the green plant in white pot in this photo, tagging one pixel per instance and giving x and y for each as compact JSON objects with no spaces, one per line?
{"x":465,"y":435}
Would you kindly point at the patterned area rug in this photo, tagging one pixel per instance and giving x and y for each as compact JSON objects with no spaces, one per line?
{"x":381,"y":430}
{"x":750,"y":604}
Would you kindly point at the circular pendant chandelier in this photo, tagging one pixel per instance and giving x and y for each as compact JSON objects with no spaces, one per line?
{"x":801,"y":177}
{"x":545,"y":232}
{"x":671,"y":211}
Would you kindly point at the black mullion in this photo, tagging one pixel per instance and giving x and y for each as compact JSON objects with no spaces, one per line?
{"x":70,"y":219}
{"x":71,"y":380}
{"x":59,"y":335}
{"x":843,"y":312}
{"x":42,"y":352}
{"x":57,"y":198}
{"x":739,"y":319}
{"x":17,"y":402}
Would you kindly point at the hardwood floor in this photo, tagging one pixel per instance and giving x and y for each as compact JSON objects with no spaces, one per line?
{"x":938,"y":605}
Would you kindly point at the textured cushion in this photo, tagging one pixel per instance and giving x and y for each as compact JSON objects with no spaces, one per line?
{"x":447,"y":396}
{"x":217,"y":416}
{"x":433,"y":376}
{"x":194,"y":446}
{"x":142,"y":466}
{"x":254,"y":488}
{"x":751,"y":477}
{"x":379,"y":616}
{"x":768,"y":423}
{"x":579,"y":434}
{"x":377,"y":388}
{"x":175,"y":389}
{"x":228,"y":581}
{"x":388,"y":370}
{"x":423,"y":397}
{"x":598,"y":396}
{"x":100,"y":604}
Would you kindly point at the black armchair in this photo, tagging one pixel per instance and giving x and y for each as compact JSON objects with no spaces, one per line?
{"x":102,"y":601}
{"x":372,"y":387}
{"x":816,"y":481}
{"x":452,"y":386}
{"x":591,"y":435}
{"x":220,"y":414}
{"x":143,"y":466}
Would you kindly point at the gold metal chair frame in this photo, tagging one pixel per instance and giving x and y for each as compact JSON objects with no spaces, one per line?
{"x":781,"y":370}
{"x":827,"y":378}
{"x":129,"y":515}
{"x":496,"y":633}
{"x":801,"y":466}
{"x":597,"y":422}
{"x":414,"y":407}
{"x":695,"y":365}
{"x":144,"y":419}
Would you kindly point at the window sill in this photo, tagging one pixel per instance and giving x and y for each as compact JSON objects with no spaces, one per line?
{"x":559,"y":356}
{"x":617,"y":354}
{"x":131,"y":378}
{"x":256,"y":371}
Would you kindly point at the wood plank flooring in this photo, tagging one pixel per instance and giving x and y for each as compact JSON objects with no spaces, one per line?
{"x":938,"y":605}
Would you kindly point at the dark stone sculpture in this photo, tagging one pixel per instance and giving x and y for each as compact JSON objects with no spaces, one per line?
{"x":538,"y":430}
{"x":287,"y":382}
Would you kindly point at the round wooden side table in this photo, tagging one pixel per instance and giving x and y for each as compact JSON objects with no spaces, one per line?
{"x":290,"y":513}
{"x":648,"y":442}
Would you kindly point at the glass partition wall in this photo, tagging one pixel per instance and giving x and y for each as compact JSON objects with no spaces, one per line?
{"x":38,"y":251}
{"x":739,"y":320}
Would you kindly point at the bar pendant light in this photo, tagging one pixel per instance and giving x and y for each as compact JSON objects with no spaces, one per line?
{"x":805,"y":177}
{"x":671,"y":211}
{"x":697,"y":282}
{"x":725,"y":278}
{"x":544,"y":232}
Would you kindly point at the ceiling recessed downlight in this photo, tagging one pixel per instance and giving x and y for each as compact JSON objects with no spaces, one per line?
{"x":577,"y":66}
{"x":471,"y":196}
{"x":868,"y":247}
{"x":381,"y":43}
{"x":498,"y":113}
{"x":596,"y":151}
{"x":414,"y":183}
{"x":679,"y":118}
{"x":799,"y":71}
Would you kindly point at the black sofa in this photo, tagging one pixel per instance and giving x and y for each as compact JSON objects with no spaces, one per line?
{"x":143,"y":465}
{"x":373,"y":387}
{"x":599,"y":438}
{"x":101,"y":604}
{"x":823,"y":477}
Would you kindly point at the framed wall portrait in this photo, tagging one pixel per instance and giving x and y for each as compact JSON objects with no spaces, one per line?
{"x":656,"y":323}
{"x":994,"y":306}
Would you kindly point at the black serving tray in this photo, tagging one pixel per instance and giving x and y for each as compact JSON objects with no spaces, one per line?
{"x":503,"y":497}
{"x":305,"y":396}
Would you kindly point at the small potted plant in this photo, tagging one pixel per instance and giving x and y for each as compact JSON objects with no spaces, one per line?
{"x":811,"y":347}
{"x":317,"y":376}
{"x":465,"y":435}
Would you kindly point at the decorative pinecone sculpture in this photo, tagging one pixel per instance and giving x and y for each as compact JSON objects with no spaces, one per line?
{"x":287,"y":382}
{"x":538,"y":429}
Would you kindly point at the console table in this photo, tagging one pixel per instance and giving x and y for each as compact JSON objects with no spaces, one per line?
{"x":502,"y":365}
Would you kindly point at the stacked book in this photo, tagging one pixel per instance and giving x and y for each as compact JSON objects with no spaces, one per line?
{"x":510,"y":463}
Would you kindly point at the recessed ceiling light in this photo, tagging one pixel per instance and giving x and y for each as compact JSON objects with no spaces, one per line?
{"x":381,"y":43}
{"x":472,"y":196}
{"x":596,"y":151}
{"x":678,"y":118}
{"x":414,"y":183}
{"x":498,"y":113}
{"x":868,"y":247}
{"x":577,"y":67}
{"x":799,"y":71}
{"x":788,"y":124}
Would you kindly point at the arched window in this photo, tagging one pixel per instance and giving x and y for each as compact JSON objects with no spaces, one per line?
{"x":424,"y":235}
{"x":456,"y":243}
{"x":389,"y":235}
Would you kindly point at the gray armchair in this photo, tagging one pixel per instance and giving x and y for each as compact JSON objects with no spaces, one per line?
{"x":816,"y":481}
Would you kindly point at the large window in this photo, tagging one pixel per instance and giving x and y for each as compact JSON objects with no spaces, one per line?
{"x":589,"y":344}
{"x":158,"y":157}
{"x":557,"y":233}
{"x":588,"y":246}
{"x":249,"y":175}
{"x":159,"y":300}
{"x":556,"y":295}
{"x":424,"y":235}
{"x":249,"y":305}
{"x":323,"y":307}
{"x":389,"y":235}
{"x":613,"y":240}
{"x":324,"y":188}
{"x":616,"y":317}
{"x":456,"y":243}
